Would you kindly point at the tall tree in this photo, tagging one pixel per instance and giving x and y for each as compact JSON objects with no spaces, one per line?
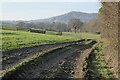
{"x":59,"y":27}
{"x":75,"y":24}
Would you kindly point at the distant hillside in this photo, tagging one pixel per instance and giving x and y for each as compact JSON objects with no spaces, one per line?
{"x":11,"y":22}
{"x":68,"y":16}
{"x":61,"y":18}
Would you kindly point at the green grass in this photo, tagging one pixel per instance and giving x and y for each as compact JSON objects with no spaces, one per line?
{"x":9,"y":27}
{"x":19,"y":39}
{"x":98,"y":67}
{"x":51,"y":32}
{"x":82,"y":35}
{"x":79,"y":35}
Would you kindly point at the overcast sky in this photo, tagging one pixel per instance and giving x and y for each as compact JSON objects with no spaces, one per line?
{"x":38,"y":10}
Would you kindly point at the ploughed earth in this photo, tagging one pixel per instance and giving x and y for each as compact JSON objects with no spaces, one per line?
{"x":65,"y":62}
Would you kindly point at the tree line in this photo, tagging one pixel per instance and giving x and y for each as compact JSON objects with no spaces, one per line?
{"x":73,"y":25}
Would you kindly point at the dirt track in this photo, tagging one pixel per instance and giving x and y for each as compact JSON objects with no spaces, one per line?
{"x":63,"y":63}
{"x":13,"y":57}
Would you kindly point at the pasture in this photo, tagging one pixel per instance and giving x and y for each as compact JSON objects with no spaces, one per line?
{"x":13,"y":39}
{"x":19,"y":39}
{"x":80,"y":35}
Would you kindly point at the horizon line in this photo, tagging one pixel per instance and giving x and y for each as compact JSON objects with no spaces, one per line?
{"x":47,"y":17}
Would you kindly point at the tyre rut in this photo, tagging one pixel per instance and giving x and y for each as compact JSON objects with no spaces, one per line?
{"x":14,"y":57}
{"x":59,"y":63}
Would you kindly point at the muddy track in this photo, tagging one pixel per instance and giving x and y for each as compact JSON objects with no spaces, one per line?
{"x":16,"y":56}
{"x":66,"y":62}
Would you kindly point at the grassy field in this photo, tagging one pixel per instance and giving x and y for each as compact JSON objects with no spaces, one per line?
{"x":80,"y":35}
{"x":8,"y":27}
{"x":20,"y":39}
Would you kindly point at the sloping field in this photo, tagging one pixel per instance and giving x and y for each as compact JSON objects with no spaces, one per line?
{"x":20,"y":39}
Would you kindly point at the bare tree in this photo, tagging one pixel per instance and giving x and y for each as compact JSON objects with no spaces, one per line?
{"x":75,"y":24}
{"x":59,"y":27}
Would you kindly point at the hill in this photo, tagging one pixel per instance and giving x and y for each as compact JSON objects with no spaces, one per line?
{"x":68,"y":16}
{"x":64,"y":18}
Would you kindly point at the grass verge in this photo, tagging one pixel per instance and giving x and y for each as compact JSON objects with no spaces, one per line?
{"x":96,"y":66}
